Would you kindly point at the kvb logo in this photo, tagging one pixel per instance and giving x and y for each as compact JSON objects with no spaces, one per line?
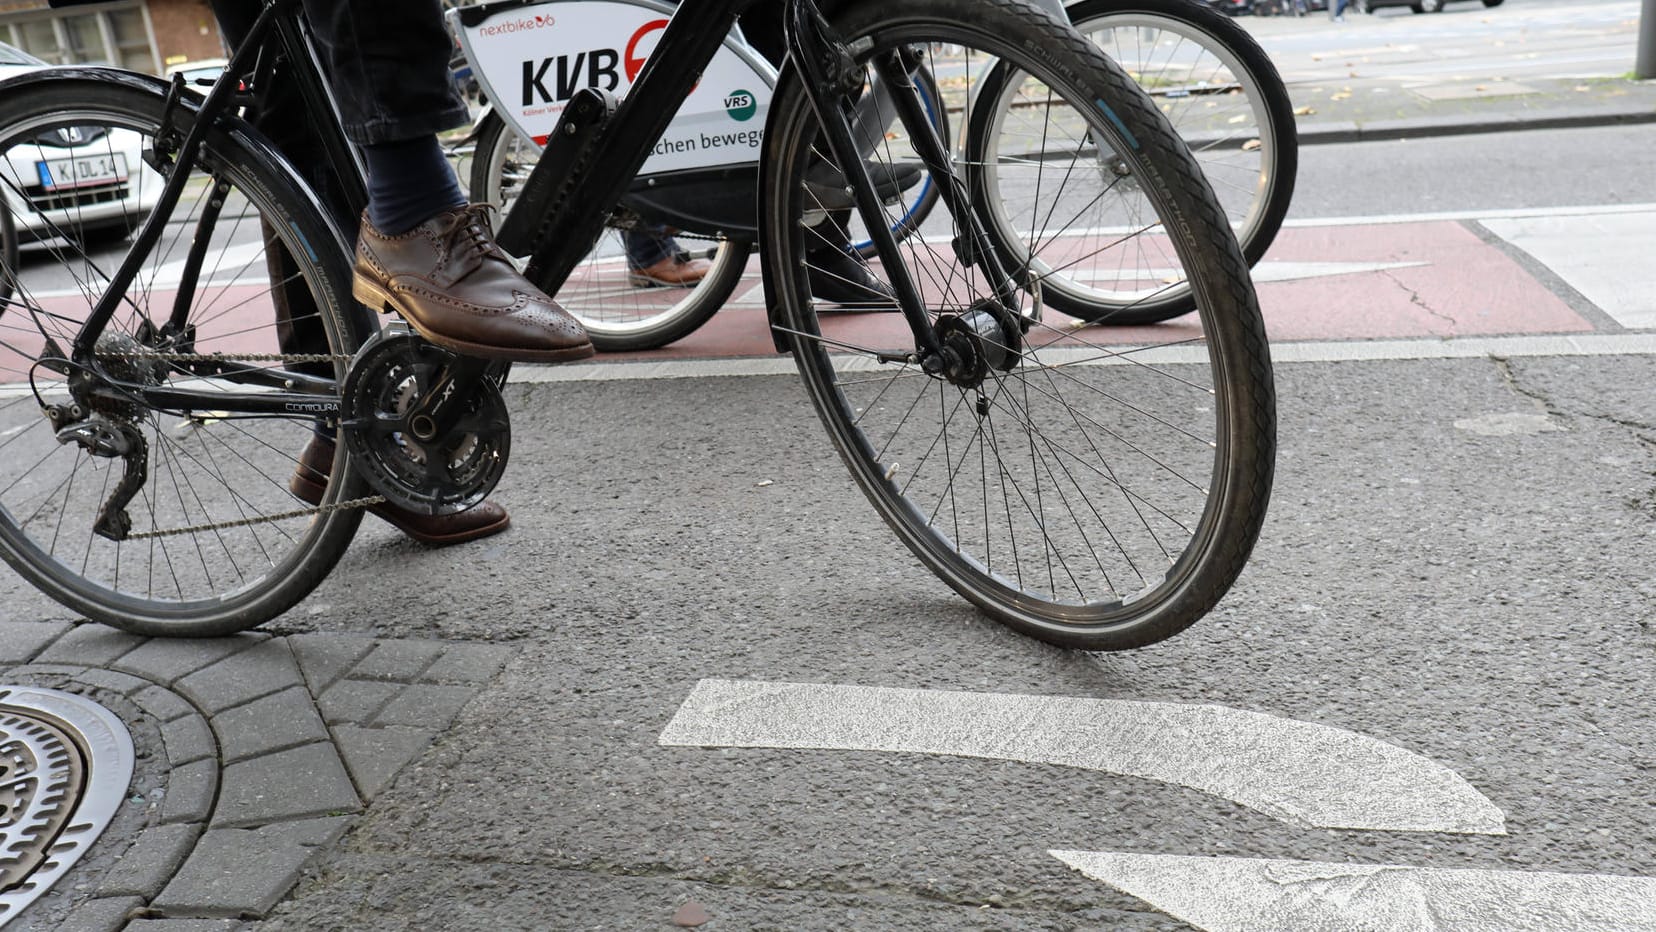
{"x":599,"y":65}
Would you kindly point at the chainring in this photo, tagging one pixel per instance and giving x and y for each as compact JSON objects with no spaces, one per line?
{"x":387,"y":379}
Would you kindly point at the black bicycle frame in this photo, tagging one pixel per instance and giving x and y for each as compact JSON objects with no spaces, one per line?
{"x":566,"y":213}
{"x":278,"y":30}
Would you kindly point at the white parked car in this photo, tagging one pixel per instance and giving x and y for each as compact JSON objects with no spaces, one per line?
{"x":86,"y":182}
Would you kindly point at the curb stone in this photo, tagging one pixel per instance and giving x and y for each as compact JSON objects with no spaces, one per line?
{"x":270,"y":747}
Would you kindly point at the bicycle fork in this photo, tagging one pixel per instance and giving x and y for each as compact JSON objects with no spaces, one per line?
{"x":958,"y":347}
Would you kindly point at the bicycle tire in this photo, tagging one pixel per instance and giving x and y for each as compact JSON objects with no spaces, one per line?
{"x":919,"y":444}
{"x":1189,"y":58}
{"x":595,"y":293}
{"x":8,"y":252}
{"x":202,"y":467}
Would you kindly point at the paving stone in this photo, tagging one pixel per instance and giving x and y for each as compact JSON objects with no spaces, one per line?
{"x":294,"y":784}
{"x":426,"y":706}
{"x":90,"y":645}
{"x":114,"y":682}
{"x":164,"y":704}
{"x":467,"y":663}
{"x":190,"y":792}
{"x":151,"y":861}
{"x":375,"y":755}
{"x":164,"y":660}
{"x":63,"y":670}
{"x":310,"y":832}
{"x":325,"y":658}
{"x":20,"y":641}
{"x":234,"y":872}
{"x":239,"y":678}
{"x":102,"y":915}
{"x":356,"y":700}
{"x":188,"y":739}
{"x":285,"y":720}
{"x":401,"y":661}
{"x":186,"y":925}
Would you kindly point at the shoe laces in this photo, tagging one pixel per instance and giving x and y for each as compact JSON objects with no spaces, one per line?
{"x":471,"y":235}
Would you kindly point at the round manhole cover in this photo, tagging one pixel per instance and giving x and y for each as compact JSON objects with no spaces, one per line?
{"x":65,"y":763}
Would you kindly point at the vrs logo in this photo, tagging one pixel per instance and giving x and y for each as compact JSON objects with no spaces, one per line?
{"x":740,"y":105}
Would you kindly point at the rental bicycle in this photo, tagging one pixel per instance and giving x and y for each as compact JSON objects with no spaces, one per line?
{"x":1206,"y":74}
{"x":1099,"y":494}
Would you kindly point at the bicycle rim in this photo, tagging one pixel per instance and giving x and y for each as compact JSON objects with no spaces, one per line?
{"x":218,"y":541}
{"x":621,"y":309}
{"x":1091,"y":494}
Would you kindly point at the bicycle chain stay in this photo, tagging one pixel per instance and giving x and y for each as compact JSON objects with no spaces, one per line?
{"x":112,"y":521}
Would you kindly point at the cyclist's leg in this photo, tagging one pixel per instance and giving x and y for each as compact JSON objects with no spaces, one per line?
{"x":298,"y":321}
{"x":655,"y":259}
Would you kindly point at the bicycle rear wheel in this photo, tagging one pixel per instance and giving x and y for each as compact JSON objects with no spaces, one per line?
{"x":620,"y":311}
{"x":1220,"y":92}
{"x":218,"y":540}
{"x":1093,"y":495}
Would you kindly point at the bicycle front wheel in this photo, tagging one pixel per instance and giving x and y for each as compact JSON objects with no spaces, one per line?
{"x":622,"y":310}
{"x":1220,"y":92}
{"x":1093,"y":495}
{"x":219,"y":533}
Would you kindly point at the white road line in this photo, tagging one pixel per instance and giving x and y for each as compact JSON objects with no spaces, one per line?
{"x":1299,"y":772}
{"x":1236,"y":894}
{"x":1606,"y":257}
{"x":1479,"y":215}
{"x":1592,"y":344}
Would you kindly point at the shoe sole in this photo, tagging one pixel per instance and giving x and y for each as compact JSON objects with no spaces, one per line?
{"x":645,"y":281}
{"x":377,"y":298}
{"x":308,"y":491}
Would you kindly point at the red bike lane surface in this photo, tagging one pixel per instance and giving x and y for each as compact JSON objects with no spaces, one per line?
{"x":1339,"y":282}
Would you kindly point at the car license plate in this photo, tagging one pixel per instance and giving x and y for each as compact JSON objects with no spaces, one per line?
{"x":60,"y":174}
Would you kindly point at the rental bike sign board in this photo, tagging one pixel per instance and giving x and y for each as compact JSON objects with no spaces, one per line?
{"x":531,"y":58}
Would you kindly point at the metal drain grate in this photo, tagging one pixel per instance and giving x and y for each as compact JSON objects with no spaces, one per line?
{"x":65,"y":763}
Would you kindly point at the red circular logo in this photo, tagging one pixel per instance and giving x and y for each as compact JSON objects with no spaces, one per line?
{"x":632,"y":61}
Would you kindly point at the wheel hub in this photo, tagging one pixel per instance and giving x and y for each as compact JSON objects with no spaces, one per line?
{"x":975,"y":343}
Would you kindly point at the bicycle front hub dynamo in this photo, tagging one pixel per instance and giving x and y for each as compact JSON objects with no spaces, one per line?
{"x":982,"y":339}
{"x":392,"y":411}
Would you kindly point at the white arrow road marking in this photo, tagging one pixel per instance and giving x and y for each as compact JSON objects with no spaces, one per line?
{"x":1236,"y":894}
{"x":1299,"y":772}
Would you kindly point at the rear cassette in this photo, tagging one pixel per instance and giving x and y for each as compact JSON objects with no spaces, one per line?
{"x":419,"y":470}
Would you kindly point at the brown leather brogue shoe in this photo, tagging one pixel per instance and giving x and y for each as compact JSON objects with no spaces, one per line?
{"x":449,"y":280}
{"x":670,"y":272}
{"x":310,"y":479}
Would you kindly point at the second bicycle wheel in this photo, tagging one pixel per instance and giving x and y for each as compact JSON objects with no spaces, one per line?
{"x":1220,"y":92}
{"x":1095,"y":495}
{"x":189,"y":522}
{"x":621,"y":310}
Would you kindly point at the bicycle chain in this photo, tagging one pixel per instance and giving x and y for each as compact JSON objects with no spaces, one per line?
{"x":225,"y":357}
{"x":363,"y":502}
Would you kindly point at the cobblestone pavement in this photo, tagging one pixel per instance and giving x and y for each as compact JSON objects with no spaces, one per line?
{"x":259,"y":751}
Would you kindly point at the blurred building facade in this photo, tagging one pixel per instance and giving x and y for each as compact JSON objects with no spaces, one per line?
{"x":144,"y":35}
